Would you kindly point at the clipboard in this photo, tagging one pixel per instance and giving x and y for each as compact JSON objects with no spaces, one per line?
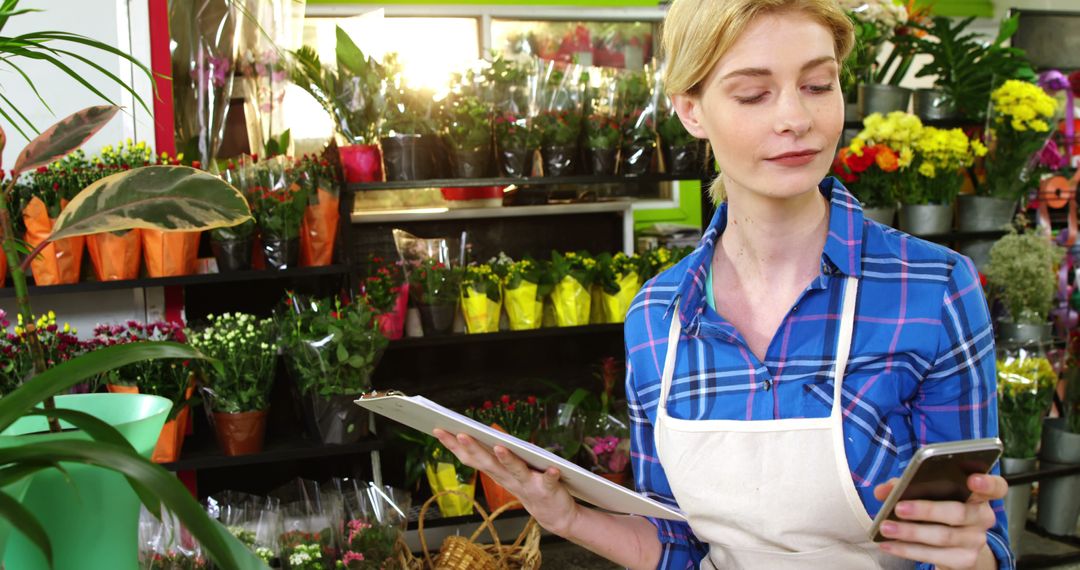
{"x":424,"y":415}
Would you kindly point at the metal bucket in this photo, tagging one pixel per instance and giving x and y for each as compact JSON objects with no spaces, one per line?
{"x":983,"y":213}
{"x":926,"y":219}
{"x":880,"y":98}
{"x":933,"y":105}
{"x":884,"y":216}
{"x":1018,"y":500}
{"x":1059,"y":498}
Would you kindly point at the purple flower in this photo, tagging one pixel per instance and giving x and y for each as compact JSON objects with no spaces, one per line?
{"x":1051,"y":157}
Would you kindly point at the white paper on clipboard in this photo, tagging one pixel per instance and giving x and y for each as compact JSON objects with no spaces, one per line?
{"x":424,"y":415}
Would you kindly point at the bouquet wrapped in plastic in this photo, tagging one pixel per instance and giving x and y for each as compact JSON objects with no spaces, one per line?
{"x":375,"y":519}
{"x":256,"y":521}
{"x":560,"y":101}
{"x":311,"y":528}
{"x":166,"y":545}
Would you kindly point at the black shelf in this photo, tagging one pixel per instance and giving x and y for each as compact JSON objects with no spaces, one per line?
{"x":963,"y":236}
{"x":207,"y":455}
{"x":530,"y":181}
{"x":1042,"y":474}
{"x":459,"y":339}
{"x":201,"y":279}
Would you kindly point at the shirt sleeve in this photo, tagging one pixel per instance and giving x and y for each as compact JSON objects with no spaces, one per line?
{"x":958,"y":398}
{"x":680,"y":549}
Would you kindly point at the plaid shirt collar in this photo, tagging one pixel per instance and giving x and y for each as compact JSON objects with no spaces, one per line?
{"x":842,"y":253}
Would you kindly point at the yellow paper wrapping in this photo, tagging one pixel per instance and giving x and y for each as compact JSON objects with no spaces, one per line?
{"x":596,"y":305}
{"x":481,"y":313}
{"x":443,"y":477}
{"x":572,"y":303}
{"x":616,"y":306}
{"x":522,"y":307}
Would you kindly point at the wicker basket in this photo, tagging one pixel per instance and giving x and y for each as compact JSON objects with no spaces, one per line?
{"x":460,"y":553}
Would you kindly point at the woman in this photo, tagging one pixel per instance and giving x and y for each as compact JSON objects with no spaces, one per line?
{"x":737,"y":355}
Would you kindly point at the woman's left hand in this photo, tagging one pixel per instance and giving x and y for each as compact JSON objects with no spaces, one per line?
{"x":947,"y":534}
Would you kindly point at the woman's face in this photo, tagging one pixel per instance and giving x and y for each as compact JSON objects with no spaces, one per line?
{"x":771,"y":107}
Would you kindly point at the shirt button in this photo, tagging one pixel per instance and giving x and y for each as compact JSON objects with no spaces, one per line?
{"x":768,"y":385}
{"x":795,"y":309}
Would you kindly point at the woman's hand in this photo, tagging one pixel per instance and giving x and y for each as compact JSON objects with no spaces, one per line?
{"x":948,"y":534}
{"x":541,"y":494}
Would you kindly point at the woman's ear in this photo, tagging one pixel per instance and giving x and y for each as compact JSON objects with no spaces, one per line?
{"x":688,"y":108}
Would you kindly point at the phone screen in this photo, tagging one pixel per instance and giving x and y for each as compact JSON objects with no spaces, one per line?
{"x":943,"y":478}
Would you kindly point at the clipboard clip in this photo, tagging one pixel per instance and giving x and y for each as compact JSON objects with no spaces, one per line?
{"x":381,"y":394}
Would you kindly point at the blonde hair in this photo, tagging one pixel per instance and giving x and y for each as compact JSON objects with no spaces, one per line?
{"x":697,"y":33}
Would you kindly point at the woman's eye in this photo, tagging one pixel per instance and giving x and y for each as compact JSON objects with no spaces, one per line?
{"x":824,"y":88}
{"x":750,"y":100}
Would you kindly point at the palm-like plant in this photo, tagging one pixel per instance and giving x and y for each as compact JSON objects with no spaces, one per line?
{"x":161,"y":197}
{"x":55,"y":49}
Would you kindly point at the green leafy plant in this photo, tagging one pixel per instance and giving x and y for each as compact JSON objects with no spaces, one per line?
{"x":1025,"y":386}
{"x":523,"y":271}
{"x":332,"y":347}
{"x":519,"y":418}
{"x":558,"y":128}
{"x":611,"y":268}
{"x":408,"y":111}
{"x":381,"y":287}
{"x":468,"y":124}
{"x":965,"y":67}
{"x":369,"y":546}
{"x":1022,"y":272}
{"x":514,"y":132}
{"x":158,"y":197}
{"x":579,"y":265}
{"x":246,"y":346}
{"x":482,"y":280}
{"x":58,"y":343}
{"x":601,"y":132}
{"x":434,"y":283}
{"x":166,"y":378}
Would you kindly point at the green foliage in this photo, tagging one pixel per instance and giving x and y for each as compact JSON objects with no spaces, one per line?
{"x":247,"y":349}
{"x":275,"y":146}
{"x":332,"y":347}
{"x":1022,"y":272}
{"x":514,"y":132}
{"x":611,"y":268}
{"x":483,"y":280}
{"x":467,"y":122}
{"x":579,"y":265}
{"x":673,"y":133}
{"x":601,"y":132}
{"x":559,"y":128}
{"x":408,"y":111}
{"x":1025,"y":385}
{"x":166,"y":378}
{"x":519,"y":418}
{"x":967,"y":69}
{"x":434,"y":283}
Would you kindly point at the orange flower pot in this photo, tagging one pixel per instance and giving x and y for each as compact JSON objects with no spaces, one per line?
{"x":318,"y":230}
{"x":241,"y":433}
{"x":115,"y":257}
{"x":170,"y":254}
{"x":171,"y":440}
{"x":59,"y":262}
{"x":496,"y":495}
{"x":120,"y":389}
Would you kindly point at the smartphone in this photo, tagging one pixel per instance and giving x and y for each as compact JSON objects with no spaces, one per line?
{"x":939,"y":472}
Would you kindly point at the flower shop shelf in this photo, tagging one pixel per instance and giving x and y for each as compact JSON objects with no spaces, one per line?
{"x":424,"y":214}
{"x":207,"y":454}
{"x":199,"y":279}
{"x":1042,"y":474}
{"x":502,"y":336}
{"x":529,"y":181}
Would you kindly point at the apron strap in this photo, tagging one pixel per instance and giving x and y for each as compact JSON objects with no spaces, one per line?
{"x":843,"y":342}
{"x":669,"y":361}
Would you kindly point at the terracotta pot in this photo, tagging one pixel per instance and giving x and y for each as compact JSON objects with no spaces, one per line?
{"x":318,"y":230}
{"x":495,"y":495}
{"x":115,"y":257}
{"x":241,"y":433}
{"x":60,"y":262}
{"x":119,"y":389}
{"x":170,"y":254}
{"x":171,"y":440}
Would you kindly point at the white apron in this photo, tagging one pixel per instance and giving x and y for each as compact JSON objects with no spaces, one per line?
{"x":771,"y":494}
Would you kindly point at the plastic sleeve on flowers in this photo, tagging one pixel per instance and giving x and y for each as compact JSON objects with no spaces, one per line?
{"x":481,"y":313}
{"x":523,"y":309}
{"x":615,"y":306}
{"x":572,"y":303}
{"x":444,"y":477}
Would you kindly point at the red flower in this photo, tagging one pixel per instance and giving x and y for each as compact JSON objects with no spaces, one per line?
{"x":859,"y":164}
{"x":488,"y":405}
{"x":505,"y":399}
{"x":531,"y":400}
{"x":982,"y":280}
{"x":511,"y":407}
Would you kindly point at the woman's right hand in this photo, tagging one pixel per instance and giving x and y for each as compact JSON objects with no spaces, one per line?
{"x":541,"y":493}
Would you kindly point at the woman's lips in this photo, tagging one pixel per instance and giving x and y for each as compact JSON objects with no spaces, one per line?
{"x":798,"y":158}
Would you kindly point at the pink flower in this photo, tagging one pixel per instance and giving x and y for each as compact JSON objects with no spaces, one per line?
{"x":351,"y":556}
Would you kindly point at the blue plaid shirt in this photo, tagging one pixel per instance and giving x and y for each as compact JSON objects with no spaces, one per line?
{"x":921,"y":368}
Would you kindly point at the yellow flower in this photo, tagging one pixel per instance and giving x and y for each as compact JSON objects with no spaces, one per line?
{"x":927,"y":169}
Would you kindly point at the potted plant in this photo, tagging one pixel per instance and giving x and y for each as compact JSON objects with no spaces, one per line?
{"x":1018,"y":127}
{"x":1025,"y":385}
{"x":601,"y":144}
{"x":618,"y":279}
{"x":573,"y":274}
{"x":467,"y":123}
{"x":332,"y":348}
{"x":435,"y":288}
{"x":426,"y":457}
{"x":684,"y":154}
{"x":387,"y":293}
{"x":516,"y":139}
{"x":369,"y":546}
{"x":559,"y":115}
{"x":238,"y":394}
{"x":871,"y":181}
{"x":408,"y":133}
{"x":637,"y":121}
{"x":481,"y":298}
{"x":964,"y":67}
{"x":1059,"y":504}
{"x":58,"y":344}
{"x":519,"y":418}
{"x":319,"y":226}
{"x":117,"y":255}
{"x":233,"y":246}
{"x":875,"y":22}
{"x":170,"y":379}
{"x":353,"y":98}
{"x":940,"y":156}
{"x":1021,"y":272}
{"x":50,"y":188}
{"x":521,"y":290}
{"x":45,"y":502}
{"x":279,"y":205}
{"x":891,"y":140}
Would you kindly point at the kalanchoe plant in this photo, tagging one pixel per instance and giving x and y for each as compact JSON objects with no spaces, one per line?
{"x":434,"y":283}
{"x":468,"y":124}
{"x":601,"y":132}
{"x":514,"y":132}
{"x":481,"y":279}
{"x":369,"y":546}
{"x":59,"y":343}
{"x":158,"y":197}
{"x":332,"y":346}
{"x":579,"y":265}
{"x":519,"y":418}
{"x":303,"y":550}
{"x":558,"y":128}
{"x":246,"y":346}
{"x":166,"y":378}
{"x":380,"y":289}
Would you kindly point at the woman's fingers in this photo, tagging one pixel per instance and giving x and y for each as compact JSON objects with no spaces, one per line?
{"x":949,"y":513}
{"x":944,"y":557}
{"x":934,"y":534}
{"x":987,"y":488}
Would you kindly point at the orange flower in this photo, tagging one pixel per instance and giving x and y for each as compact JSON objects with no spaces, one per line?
{"x":886,"y":159}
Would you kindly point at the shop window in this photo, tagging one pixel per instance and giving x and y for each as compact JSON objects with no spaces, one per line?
{"x":625,"y":45}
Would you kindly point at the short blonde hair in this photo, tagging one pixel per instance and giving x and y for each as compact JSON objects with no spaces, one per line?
{"x":697,"y":33}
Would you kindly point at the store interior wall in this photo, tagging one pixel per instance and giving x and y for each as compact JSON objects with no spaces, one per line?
{"x":120,"y":23}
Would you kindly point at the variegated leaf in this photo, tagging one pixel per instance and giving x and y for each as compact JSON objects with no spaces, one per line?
{"x":63,"y":137}
{"x":153,"y":197}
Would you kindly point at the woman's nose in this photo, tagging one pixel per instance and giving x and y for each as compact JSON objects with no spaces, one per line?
{"x":792,"y":114}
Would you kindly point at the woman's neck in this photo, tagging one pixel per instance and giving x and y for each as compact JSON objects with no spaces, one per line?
{"x":774,"y":239}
